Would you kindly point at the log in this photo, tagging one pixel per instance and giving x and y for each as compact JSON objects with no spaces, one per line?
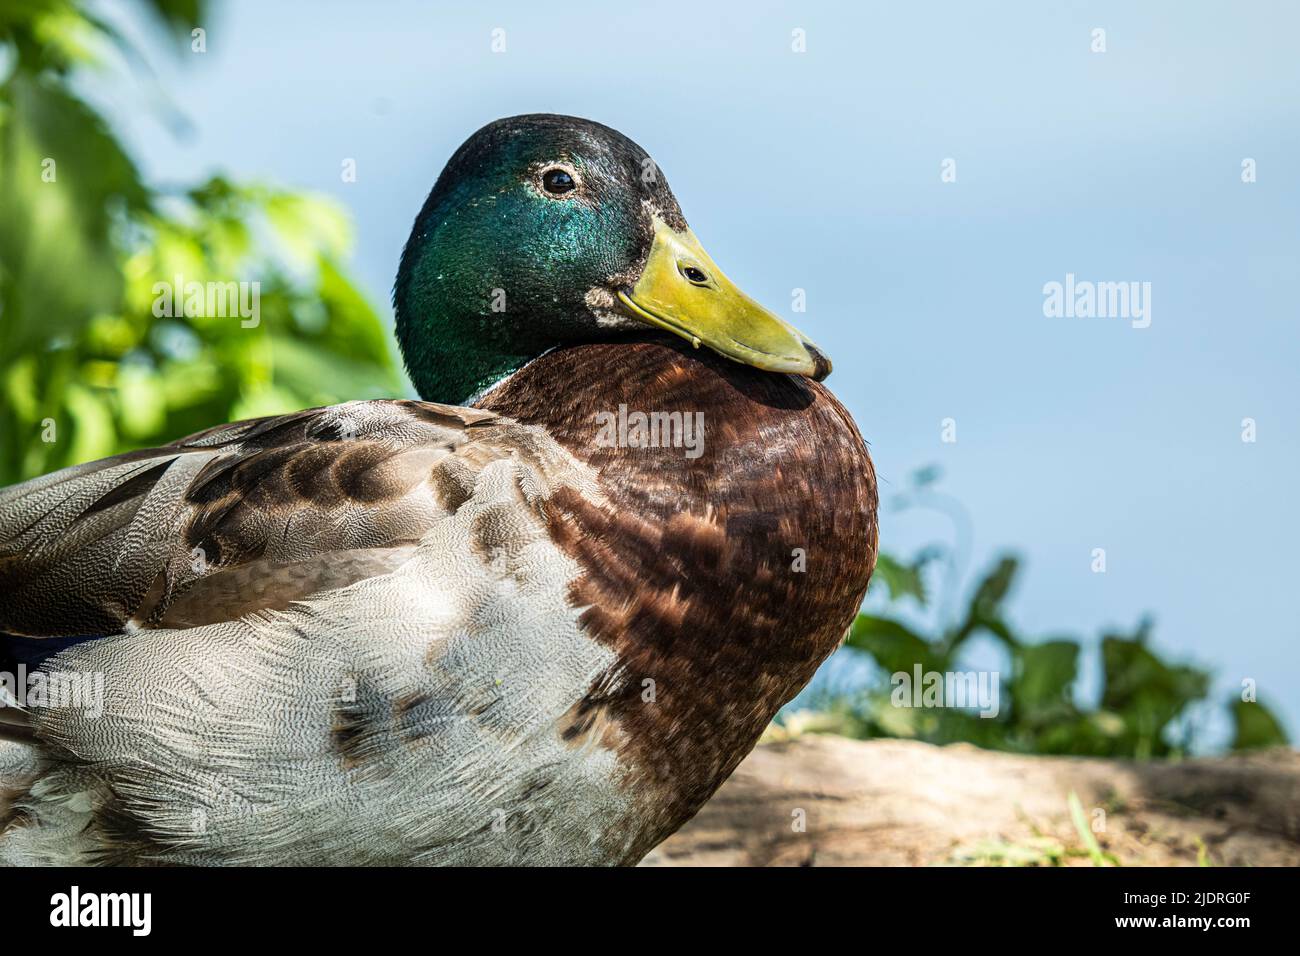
{"x":821,"y":800}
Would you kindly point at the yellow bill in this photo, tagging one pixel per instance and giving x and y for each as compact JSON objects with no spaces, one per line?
{"x":683,"y":291}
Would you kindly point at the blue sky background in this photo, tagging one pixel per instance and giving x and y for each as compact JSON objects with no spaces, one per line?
{"x":822,"y":171}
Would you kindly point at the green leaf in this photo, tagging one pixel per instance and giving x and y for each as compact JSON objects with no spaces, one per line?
{"x":1146,"y":692}
{"x":985,"y":609}
{"x":93,"y":434}
{"x":309,"y":226}
{"x":1081,"y":827}
{"x":141,"y":401}
{"x":1255,"y":726}
{"x":990,"y":593}
{"x":893,"y":645}
{"x":62,"y":173}
{"x":900,"y":580}
{"x":180,"y":15}
{"x":1044,"y":678}
{"x":322,"y":377}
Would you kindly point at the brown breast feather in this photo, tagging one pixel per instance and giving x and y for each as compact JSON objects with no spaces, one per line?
{"x":688,"y":568}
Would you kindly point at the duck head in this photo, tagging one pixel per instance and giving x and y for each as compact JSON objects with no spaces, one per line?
{"x":548,"y":230}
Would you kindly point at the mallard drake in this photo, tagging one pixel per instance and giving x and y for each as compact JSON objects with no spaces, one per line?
{"x":537,"y":616}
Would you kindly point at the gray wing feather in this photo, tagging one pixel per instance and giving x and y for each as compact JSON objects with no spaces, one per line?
{"x":245,"y":516}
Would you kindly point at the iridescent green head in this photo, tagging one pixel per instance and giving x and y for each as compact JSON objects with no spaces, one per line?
{"x":545,"y":230}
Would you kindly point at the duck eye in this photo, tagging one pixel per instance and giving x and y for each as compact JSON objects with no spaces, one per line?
{"x":694,"y":274}
{"x":557,"y":182}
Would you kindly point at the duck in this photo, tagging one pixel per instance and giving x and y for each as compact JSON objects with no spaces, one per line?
{"x":535,"y":617}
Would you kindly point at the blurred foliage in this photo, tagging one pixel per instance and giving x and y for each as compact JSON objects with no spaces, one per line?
{"x":87,"y":368}
{"x":1142,"y":711}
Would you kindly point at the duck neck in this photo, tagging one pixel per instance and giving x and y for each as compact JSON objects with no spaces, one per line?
{"x":452,"y":356}
{"x":457,"y":331}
